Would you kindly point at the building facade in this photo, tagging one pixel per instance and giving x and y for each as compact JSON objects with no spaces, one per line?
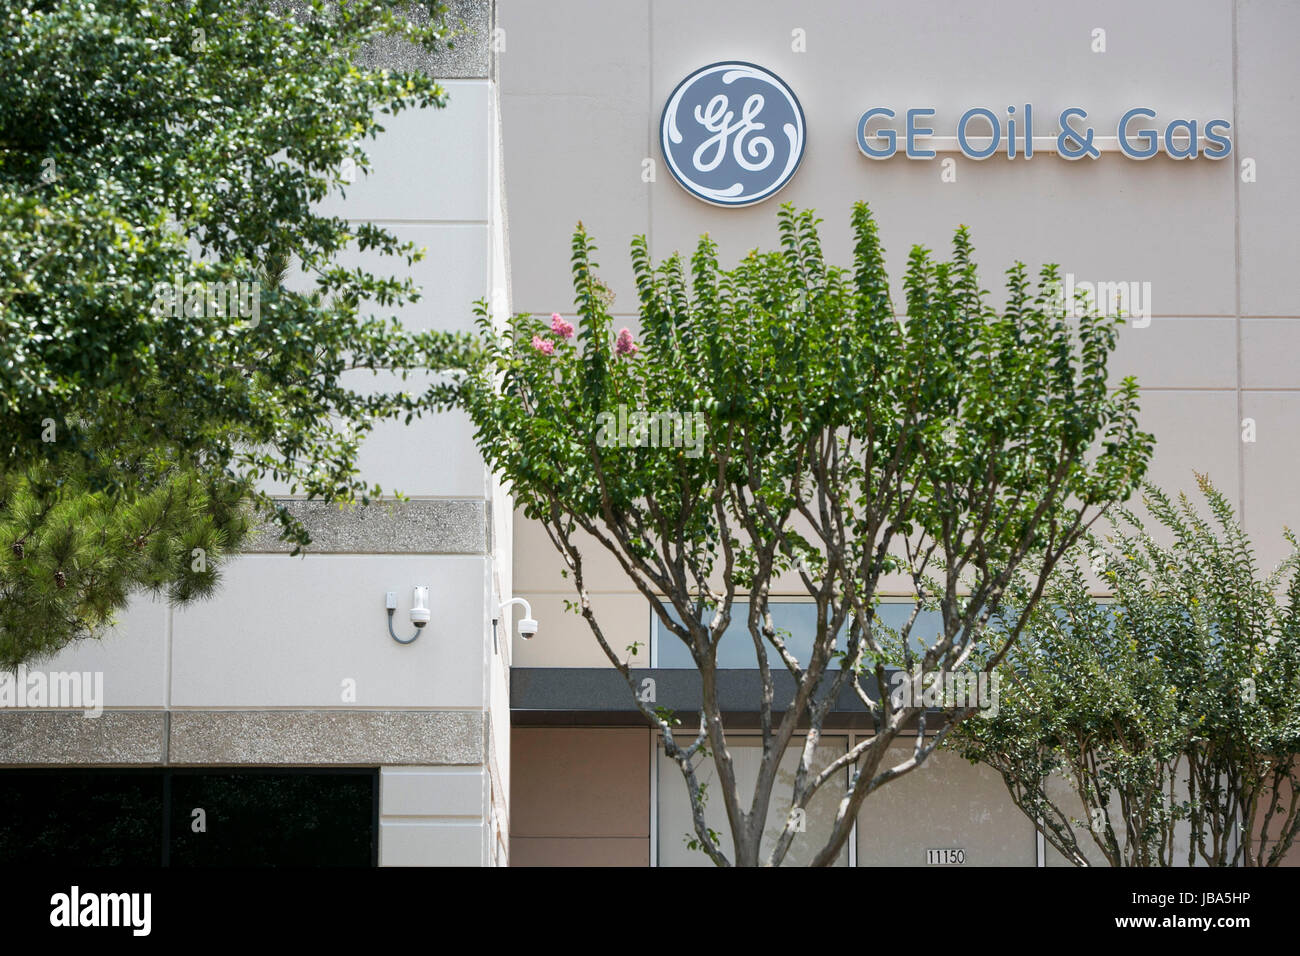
{"x":469,"y":746}
{"x":1203,"y":247}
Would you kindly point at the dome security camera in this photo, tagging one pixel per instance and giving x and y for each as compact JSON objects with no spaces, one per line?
{"x":527,"y":624}
{"x":420,"y":607}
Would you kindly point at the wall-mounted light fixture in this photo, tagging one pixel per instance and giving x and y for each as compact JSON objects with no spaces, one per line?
{"x":419,"y":613}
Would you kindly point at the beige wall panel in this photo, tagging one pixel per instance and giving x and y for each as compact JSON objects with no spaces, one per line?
{"x":580,"y":782}
{"x":609,"y":851}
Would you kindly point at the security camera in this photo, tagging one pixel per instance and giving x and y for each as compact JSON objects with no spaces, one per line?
{"x":419,"y":613}
{"x":527,"y":625}
{"x":420,"y":607}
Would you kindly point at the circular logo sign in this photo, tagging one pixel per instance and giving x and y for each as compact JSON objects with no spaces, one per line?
{"x":732,"y":133}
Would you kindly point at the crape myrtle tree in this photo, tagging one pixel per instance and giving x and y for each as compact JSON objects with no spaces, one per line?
{"x":155,"y":158}
{"x":843,"y":444}
{"x":1160,"y":727}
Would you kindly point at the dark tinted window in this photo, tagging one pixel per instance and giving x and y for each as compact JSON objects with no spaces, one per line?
{"x":250,"y":818}
{"x":96,"y":818}
{"x":273,"y":819}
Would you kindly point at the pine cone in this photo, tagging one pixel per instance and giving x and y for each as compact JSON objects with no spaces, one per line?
{"x":60,"y":580}
{"x":18,"y":550}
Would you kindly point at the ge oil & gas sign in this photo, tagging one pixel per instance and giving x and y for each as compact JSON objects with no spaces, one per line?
{"x":733,"y":134}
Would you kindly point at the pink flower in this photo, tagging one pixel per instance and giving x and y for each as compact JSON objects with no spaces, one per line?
{"x":561,"y":328}
{"x":542,"y":345}
{"x":624,"y":345}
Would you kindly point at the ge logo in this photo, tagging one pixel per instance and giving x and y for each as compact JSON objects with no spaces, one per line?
{"x":732,"y":133}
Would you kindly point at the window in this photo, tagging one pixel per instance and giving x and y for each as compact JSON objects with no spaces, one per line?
{"x":91,"y":818}
{"x":288,"y":818}
{"x":797,"y":618}
{"x":674,"y":825}
{"x":189,"y":817}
